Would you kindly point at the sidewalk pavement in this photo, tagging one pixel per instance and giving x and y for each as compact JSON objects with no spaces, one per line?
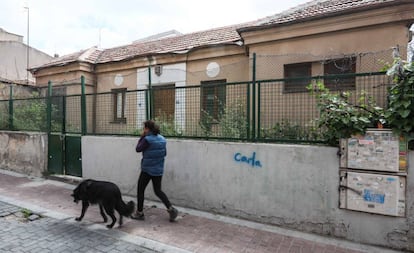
{"x":194,"y":231}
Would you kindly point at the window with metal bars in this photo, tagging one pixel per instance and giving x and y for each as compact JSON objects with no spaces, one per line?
{"x":297,"y":77}
{"x":118,"y":99}
{"x":335,"y":72}
{"x":213,"y":98}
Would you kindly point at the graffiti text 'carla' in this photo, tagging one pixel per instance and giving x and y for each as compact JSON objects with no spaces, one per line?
{"x":239,"y":157}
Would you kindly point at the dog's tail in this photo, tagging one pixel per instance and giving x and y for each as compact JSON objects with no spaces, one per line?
{"x":126,"y":209}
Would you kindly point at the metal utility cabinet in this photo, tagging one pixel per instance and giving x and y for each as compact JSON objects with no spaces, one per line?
{"x":373,"y":173}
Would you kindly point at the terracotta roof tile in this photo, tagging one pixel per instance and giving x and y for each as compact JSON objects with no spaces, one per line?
{"x":87,"y":55}
{"x":319,"y":8}
{"x":175,"y":44}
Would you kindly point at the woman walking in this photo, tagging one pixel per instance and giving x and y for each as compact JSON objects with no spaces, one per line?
{"x":154,"y":149}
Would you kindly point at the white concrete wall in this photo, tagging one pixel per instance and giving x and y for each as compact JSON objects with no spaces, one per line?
{"x":294,"y":186}
{"x":23,"y":152}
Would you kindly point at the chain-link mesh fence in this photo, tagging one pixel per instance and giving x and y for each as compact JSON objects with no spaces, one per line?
{"x":273,"y":105}
{"x":4,"y":114}
{"x":276,"y":66}
{"x":290,"y":116}
{"x":29,"y":114}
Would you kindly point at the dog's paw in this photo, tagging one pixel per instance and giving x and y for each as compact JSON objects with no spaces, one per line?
{"x":78,"y":219}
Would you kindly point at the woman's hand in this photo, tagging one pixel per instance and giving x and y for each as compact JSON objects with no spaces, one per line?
{"x":144,"y":132}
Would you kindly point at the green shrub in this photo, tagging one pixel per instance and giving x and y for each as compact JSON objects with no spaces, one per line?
{"x":400,"y":111}
{"x":206,"y":122}
{"x":340,"y":118}
{"x":31,"y":114}
{"x":167,"y":125}
{"x":233,"y":121}
{"x":286,"y":130}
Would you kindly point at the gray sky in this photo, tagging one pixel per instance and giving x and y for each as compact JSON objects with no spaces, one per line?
{"x":63,"y":27}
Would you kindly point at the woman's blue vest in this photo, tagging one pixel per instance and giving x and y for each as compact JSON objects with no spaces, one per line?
{"x":153,"y":157}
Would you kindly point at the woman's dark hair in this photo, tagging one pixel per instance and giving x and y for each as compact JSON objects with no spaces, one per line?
{"x":154,"y":128}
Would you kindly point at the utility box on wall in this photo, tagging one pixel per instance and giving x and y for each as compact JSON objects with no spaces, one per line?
{"x":373,"y":173}
{"x":373,"y":193}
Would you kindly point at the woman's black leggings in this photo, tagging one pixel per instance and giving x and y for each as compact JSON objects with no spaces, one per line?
{"x":143,"y":181}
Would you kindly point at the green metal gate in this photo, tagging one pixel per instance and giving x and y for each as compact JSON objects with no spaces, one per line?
{"x":65,"y":154}
{"x":55,"y":154}
{"x":73,"y":155}
{"x":64,"y":149}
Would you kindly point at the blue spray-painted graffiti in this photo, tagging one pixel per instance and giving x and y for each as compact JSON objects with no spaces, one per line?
{"x":238,"y":157}
{"x":373,"y":197}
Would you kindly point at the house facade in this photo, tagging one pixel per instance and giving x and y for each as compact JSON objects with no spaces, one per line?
{"x":184,"y":72}
{"x":327,"y":38}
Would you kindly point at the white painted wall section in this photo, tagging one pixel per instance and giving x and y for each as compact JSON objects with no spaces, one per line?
{"x":171,"y":74}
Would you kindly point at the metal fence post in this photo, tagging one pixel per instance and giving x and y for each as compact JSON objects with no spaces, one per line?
{"x":83,"y":106}
{"x":11,"y":108}
{"x":254,"y":98}
{"x":49,"y":107}
{"x":248,"y":105}
{"x":259,"y":109}
{"x":150,"y":98}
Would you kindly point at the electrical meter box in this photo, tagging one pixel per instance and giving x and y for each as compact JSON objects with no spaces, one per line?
{"x":373,"y":173}
{"x":379,"y":150}
{"x":373,"y":193}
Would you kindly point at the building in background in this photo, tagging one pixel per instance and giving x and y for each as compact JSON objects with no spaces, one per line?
{"x":14,"y":55}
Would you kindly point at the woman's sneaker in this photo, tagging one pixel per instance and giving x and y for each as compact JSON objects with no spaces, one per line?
{"x":138,"y":216}
{"x":173,"y":213}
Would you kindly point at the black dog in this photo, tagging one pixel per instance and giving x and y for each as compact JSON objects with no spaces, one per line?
{"x":107,"y":195}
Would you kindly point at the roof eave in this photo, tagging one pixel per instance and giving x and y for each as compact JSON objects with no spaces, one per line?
{"x":62,"y":64}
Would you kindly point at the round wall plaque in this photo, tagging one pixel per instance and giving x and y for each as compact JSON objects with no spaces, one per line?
{"x":118,"y":80}
{"x":212,"y":69}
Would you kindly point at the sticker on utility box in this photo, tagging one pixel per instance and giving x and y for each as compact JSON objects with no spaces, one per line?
{"x":373,"y":193}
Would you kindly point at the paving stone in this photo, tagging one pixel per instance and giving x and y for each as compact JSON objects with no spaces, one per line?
{"x":33,"y":217}
{"x":50,"y":235}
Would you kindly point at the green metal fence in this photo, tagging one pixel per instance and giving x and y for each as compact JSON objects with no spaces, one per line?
{"x":264,"y":110}
{"x":289,"y":114}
